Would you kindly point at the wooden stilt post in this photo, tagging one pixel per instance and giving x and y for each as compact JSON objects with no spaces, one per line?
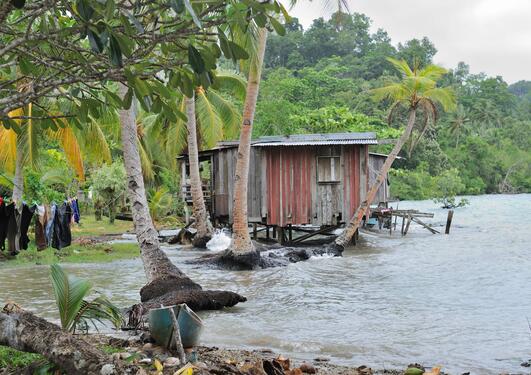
{"x":407,"y":225}
{"x":449,"y":221}
{"x":267,"y":232}
{"x":255,"y":231}
{"x":391,"y":225}
{"x":403,"y":222}
{"x":281,"y":238}
{"x":290,"y":233}
{"x":274,"y":232}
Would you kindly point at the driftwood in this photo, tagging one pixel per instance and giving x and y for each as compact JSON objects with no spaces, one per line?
{"x":24,"y":331}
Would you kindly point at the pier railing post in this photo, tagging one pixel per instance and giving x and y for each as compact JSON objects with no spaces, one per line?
{"x":449,"y":221}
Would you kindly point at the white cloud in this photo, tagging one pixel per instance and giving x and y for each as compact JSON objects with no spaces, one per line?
{"x":492,"y":36}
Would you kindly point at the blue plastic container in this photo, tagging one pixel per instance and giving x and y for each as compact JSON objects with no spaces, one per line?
{"x":161,"y":326}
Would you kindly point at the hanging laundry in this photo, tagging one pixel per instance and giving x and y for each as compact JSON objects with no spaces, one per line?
{"x":3,"y":225}
{"x":40,"y":228}
{"x":62,"y":236}
{"x":50,"y":223}
{"x":13,"y":225}
{"x":75,"y":210}
{"x":26,"y":214}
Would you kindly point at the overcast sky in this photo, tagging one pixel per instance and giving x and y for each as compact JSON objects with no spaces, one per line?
{"x":492,"y":36}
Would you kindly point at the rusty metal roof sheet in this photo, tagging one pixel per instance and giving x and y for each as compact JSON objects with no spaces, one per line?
{"x":317,"y":139}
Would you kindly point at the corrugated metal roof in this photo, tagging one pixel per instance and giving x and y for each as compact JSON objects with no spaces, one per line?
{"x":317,"y":139}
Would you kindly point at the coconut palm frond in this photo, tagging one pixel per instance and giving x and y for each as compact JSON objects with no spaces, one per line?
{"x":146,"y":161}
{"x":176,"y":135}
{"x":229,"y":114}
{"x":232,"y":82}
{"x":8,"y":151}
{"x":444,"y":96}
{"x":396,"y":92}
{"x":210,"y":125}
{"x":70,"y":145}
{"x":402,"y":66}
{"x":432,"y":72}
{"x":69,"y":293}
{"x":95,"y":142}
{"x":56,"y":176}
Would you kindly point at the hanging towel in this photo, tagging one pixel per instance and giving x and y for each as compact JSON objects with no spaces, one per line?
{"x":40,"y":228}
{"x":13,"y":225}
{"x":75,"y":210}
{"x":50,"y":224}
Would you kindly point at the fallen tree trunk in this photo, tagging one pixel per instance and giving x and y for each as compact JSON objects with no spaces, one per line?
{"x":24,"y":331}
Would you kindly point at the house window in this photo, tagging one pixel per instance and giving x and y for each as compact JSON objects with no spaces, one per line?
{"x":328,"y":168}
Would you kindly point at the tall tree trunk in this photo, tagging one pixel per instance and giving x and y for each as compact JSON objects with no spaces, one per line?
{"x":18,"y":181}
{"x":242,"y":251}
{"x":202,"y":222}
{"x":165,"y":280}
{"x":344,"y":238}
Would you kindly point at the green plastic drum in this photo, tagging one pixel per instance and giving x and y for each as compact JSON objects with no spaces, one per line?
{"x":161,"y":326}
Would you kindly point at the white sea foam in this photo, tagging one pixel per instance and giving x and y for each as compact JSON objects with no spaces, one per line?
{"x":220,"y":240}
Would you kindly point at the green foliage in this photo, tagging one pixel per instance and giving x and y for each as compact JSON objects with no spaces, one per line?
{"x":109,"y":184}
{"x":160,"y":202}
{"x":337,"y":120}
{"x":11,"y":358}
{"x":419,"y":184}
{"x":74,"y":311}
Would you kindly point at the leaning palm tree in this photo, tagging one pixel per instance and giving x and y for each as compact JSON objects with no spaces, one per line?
{"x":458,"y":122}
{"x":416,"y":92}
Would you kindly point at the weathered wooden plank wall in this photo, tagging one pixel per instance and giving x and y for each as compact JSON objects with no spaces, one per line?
{"x":289,"y":178}
{"x":225,"y":165}
{"x":375,"y":164}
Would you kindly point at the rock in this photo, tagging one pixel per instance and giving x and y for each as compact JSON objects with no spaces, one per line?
{"x":295,"y":371}
{"x":284,"y":362}
{"x":364,"y":370}
{"x":308,"y":368}
{"x":147,"y":347}
{"x":145,"y":337}
{"x":253,"y":368}
{"x":108,"y":369}
{"x":321,"y":359}
{"x":125,"y":355}
{"x":145,"y":361}
{"x":171,"y":361}
{"x":201,"y":365}
{"x":526,"y":364}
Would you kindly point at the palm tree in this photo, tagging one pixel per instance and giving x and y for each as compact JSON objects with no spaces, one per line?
{"x":22,"y":148}
{"x":416,"y":92}
{"x":241,"y":252}
{"x":458,"y":122}
{"x":202,"y":221}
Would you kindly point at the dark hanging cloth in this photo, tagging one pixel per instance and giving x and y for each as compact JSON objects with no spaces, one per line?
{"x":26,"y":214}
{"x":62,"y":237}
{"x":3,"y":226}
{"x":75,"y":210}
{"x":40,"y":228}
{"x":13,"y":225}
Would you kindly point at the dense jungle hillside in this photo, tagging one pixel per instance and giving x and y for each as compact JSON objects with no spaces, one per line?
{"x":319,"y":80}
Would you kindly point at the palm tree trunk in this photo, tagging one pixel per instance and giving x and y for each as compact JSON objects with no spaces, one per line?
{"x":202,"y":222}
{"x":156,"y":263}
{"x":166,"y":283}
{"x":18,"y":181}
{"x":242,"y":250}
{"x":346,"y":237}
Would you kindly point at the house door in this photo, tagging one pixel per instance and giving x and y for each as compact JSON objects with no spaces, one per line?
{"x":328,"y":189}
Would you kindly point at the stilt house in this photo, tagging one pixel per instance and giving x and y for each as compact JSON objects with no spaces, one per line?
{"x":297,"y":180}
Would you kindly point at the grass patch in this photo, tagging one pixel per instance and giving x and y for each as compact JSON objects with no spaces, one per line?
{"x":90,"y":227}
{"x":97,"y":253}
{"x":11,"y":358}
{"x":109,"y":349}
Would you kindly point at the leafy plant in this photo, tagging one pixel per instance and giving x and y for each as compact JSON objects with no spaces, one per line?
{"x":74,"y":311}
{"x":109,"y":183}
{"x":160,"y":202}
